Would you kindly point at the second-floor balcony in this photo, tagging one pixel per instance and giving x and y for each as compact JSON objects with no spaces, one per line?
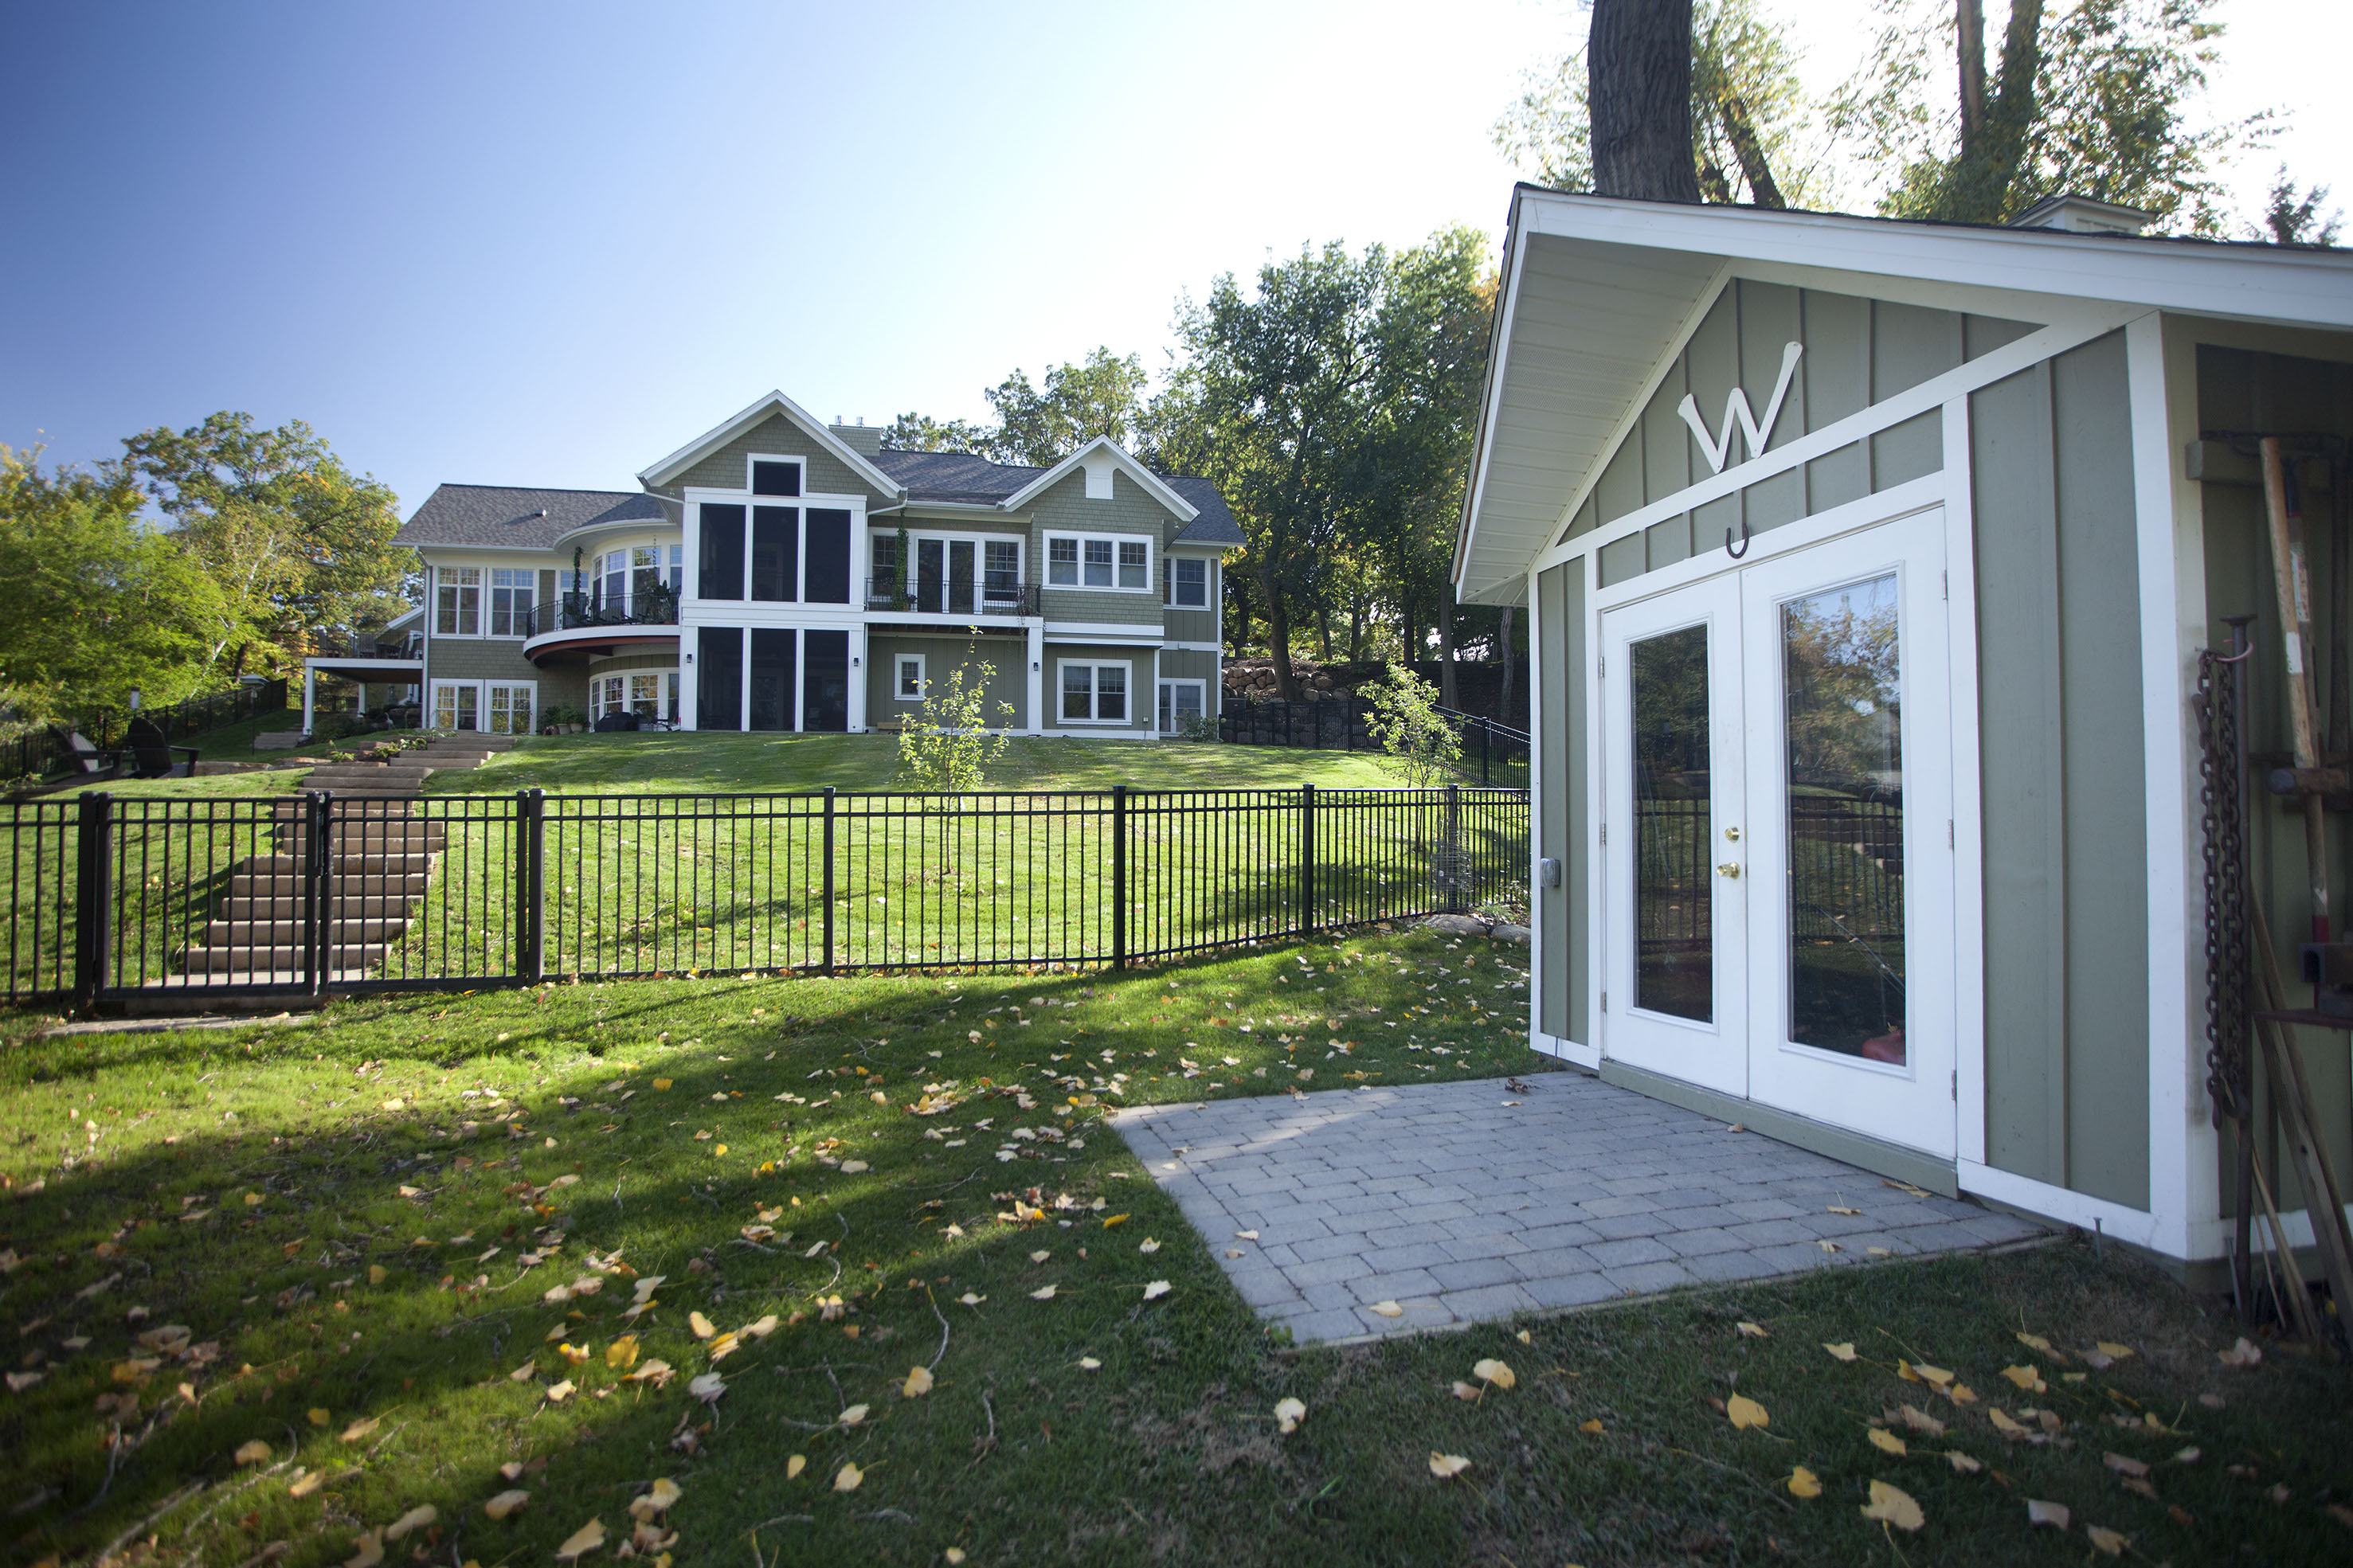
{"x":582,"y":622}
{"x":928,"y":596}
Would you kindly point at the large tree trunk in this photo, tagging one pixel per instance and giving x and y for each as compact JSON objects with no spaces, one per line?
{"x":1278,"y":641}
{"x":1446,"y":688}
{"x":1503,"y":702}
{"x":1970,"y":18}
{"x":1639,"y":57}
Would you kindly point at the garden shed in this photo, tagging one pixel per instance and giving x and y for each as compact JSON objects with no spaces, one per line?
{"x":1869,"y":565}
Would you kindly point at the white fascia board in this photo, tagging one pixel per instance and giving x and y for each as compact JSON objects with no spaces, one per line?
{"x":1491,"y":392}
{"x":2290,"y":285}
{"x":1152,"y":484}
{"x":413,"y":612}
{"x":702,"y":446}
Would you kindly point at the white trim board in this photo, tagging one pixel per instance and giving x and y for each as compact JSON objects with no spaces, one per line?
{"x":833,"y":445}
{"x":1096,"y":451}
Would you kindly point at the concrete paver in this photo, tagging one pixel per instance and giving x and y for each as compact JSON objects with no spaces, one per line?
{"x":1462,"y":1208}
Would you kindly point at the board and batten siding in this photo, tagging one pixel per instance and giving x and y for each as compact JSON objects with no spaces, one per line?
{"x":1562,"y":807}
{"x":1858,"y":353}
{"x":2063,"y":775}
{"x":2243,"y":390}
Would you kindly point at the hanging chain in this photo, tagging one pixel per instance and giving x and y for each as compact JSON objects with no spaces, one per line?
{"x":2228,"y":950}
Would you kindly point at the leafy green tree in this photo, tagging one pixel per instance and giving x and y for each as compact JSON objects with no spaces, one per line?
{"x":921,"y":433}
{"x":94,"y":602}
{"x":947,"y":748}
{"x":298,"y":544}
{"x":2094,"y":101}
{"x":2293,"y":219}
{"x":1751,"y":124}
{"x":1417,"y":740}
{"x":1041,"y":425}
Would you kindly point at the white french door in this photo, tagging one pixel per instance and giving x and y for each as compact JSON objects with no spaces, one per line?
{"x":1777,"y":859}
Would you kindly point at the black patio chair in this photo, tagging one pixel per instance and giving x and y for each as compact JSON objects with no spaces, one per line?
{"x":80,"y":758}
{"x":152,"y":752}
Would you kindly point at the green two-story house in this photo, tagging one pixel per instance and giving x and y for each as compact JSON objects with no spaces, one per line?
{"x":778,"y":573}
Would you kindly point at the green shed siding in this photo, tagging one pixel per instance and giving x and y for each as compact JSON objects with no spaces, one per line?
{"x":2063,"y":775}
{"x":1065,"y":509}
{"x":1563,"y":807}
{"x":942,"y":656}
{"x":2240,"y":389}
{"x":1858,"y":351}
{"x":1140,"y":694}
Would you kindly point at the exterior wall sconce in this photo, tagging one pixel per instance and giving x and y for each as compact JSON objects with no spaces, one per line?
{"x":690,"y":658}
{"x":853,"y":661}
{"x":1033,"y":664}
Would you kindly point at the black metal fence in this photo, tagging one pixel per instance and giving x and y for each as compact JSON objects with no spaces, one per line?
{"x":112,"y":899}
{"x":39,"y":753}
{"x":1492,"y":752}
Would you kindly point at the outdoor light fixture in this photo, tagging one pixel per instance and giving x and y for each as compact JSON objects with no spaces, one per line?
{"x":1033,"y":664}
{"x":690,"y":658}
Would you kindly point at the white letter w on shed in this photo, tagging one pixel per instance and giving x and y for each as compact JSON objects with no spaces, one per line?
{"x":1737,"y":414}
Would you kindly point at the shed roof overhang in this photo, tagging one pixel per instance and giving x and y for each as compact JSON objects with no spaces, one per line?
{"x":1598,"y":291}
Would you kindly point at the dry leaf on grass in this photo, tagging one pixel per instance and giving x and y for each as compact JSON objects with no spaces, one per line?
{"x":1886,"y":1442}
{"x":1494,"y":1371}
{"x":563,"y":1391}
{"x":1044,"y":1293}
{"x":2003,"y":1424}
{"x":2107,"y":1541}
{"x":969,"y":1299}
{"x":359,"y":1429}
{"x":1157,"y":1289}
{"x":1148,"y":1245}
{"x":700,"y":1325}
{"x":656,"y":1499}
{"x":1750,"y":1330}
{"x":2026,"y":1377}
{"x":368,"y":1550}
{"x":708,"y":1387}
{"x":1745,"y":1412}
{"x":794,"y":1466}
{"x":1962,"y":1462}
{"x":254,"y":1453}
{"x":622,"y":1353}
{"x":413,"y":1520}
{"x":581,"y":1541}
{"x":919,"y":1381}
{"x":1288,"y":1415}
{"x":1445,"y":1467}
{"x":2124,"y":1464}
{"x":854,"y":1414}
{"x":305,"y":1485}
{"x":1593,"y":1426}
{"x":2054,"y":1514}
{"x":506,"y":1503}
{"x":1894,"y":1505}
{"x":1465,"y":1390}
{"x":846,"y":1480}
{"x":1840,"y":1352}
{"x":1802,"y":1482}
{"x":1089,"y":1363}
{"x":2244,"y":1353}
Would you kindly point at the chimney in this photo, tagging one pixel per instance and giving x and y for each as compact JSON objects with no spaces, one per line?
{"x":2082,"y":215}
{"x":862,"y":439}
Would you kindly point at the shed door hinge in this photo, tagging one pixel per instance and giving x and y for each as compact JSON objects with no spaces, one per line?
{"x":1949,"y":586}
{"x":1601,"y":667}
{"x":1957,"y":1086}
{"x":1948,"y":833}
{"x":1605,"y":1000}
{"x":1605,"y":833}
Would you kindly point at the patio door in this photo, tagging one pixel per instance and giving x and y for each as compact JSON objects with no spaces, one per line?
{"x":1778,"y":854}
{"x":454,"y":704}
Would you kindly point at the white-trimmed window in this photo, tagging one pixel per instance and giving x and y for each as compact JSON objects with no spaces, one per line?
{"x":648,"y":693}
{"x":1180,"y":701}
{"x":510,"y":597}
{"x":1184,"y":584}
{"x":772,"y":476}
{"x":1093,"y":693}
{"x":907,"y":684}
{"x":510,"y":706}
{"x":1099,"y":560}
{"x":458,"y":601}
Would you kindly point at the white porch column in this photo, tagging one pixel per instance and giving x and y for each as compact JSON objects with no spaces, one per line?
{"x":309,"y":697}
{"x":1037,"y":693}
{"x":1152,"y":721}
{"x":859,"y":674}
{"x":687,"y":705}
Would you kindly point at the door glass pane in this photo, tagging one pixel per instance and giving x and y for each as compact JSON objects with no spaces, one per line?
{"x":1844,"y":743}
{"x":1674,"y":959}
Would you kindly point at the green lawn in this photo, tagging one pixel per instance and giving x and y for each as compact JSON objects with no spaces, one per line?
{"x":370,"y":1250}
{"x":715,"y":763}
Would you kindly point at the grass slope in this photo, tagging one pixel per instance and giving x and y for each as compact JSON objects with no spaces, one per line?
{"x":344,"y":1215}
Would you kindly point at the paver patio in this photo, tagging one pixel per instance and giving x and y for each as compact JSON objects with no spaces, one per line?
{"x":1464,"y":1201}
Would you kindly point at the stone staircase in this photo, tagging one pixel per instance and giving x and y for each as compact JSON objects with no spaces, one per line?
{"x":385,"y":857}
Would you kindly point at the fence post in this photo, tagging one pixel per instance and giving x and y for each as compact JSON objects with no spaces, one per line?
{"x":1119,"y":875}
{"x":1307,"y":859}
{"x":93,"y":892}
{"x":1452,"y":850}
{"x":531,"y":884}
{"x":318,"y":888}
{"x":827,"y":967}
{"x":1486,"y":744}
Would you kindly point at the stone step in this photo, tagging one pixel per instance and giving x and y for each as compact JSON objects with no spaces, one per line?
{"x":233,"y":960}
{"x":243,"y":910}
{"x":347,"y":863}
{"x":285,"y":887}
{"x":288,"y":932}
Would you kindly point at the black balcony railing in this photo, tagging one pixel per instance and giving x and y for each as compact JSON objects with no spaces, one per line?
{"x":950,"y":596}
{"x":577,"y":612}
{"x":412,"y":647}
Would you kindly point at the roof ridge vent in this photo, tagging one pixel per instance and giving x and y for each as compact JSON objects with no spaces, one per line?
{"x":2077,"y":213}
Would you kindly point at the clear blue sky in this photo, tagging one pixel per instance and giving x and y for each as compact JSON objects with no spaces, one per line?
{"x":515,"y":244}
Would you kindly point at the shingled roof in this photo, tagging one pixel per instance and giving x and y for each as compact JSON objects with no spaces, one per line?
{"x":974,"y":481}
{"x":510,"y":516}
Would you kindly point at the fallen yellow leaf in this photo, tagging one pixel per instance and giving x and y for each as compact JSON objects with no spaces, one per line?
{"x":1840,"y":1352}
{"x":1894,"y":1505}
{"x":1750,"y":1330}
{"x":1745,"y":1412}
{"x":506,"y":1503}
{"x":2003,"y":1424}
{"x":794,"y":1466}
{"x":370,"y":1550}
{"x":256,"y":1452}
{"x":1044,"y":1293}
{"x":1445,"y":1467}
{"x":662,"y":1083}
{"x":1157,"y":1289}
{"x":622,"y":1353}
{"x":1388,"y":1308}
{"x":416,"y":1518}
{"x":2107,"y":1541}
{"x":1494,"y":1371}
{"x":847,"y":1479}
{"x":581,"y":1541}
{"x":318,"y":1417}
{"x":1288,"y":1415}
{"x":2054,"y":1514}
{"x":1804,"y":1483}
{"x":700,"y":1325}
{"x":2113,"y":1350}
{"x":2026,"y":1377}
{"x":1593,"y":1426}
{"x":919,"y":1381}
{"x":1886,"y":1442}
{"x":359,"y":1429}
{"x":1962,"y":1462}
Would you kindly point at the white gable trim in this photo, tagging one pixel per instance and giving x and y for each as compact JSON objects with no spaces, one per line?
{"x":701,"y":447}
{"x":1093,"y":455}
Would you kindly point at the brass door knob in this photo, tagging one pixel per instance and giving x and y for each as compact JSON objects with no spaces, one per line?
{"x":1729,"y":868}
{"x":1732,"y":834}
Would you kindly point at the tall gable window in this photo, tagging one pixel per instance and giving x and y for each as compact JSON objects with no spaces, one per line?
{"x":1083,"y":560}
{"x":458,"y":601}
